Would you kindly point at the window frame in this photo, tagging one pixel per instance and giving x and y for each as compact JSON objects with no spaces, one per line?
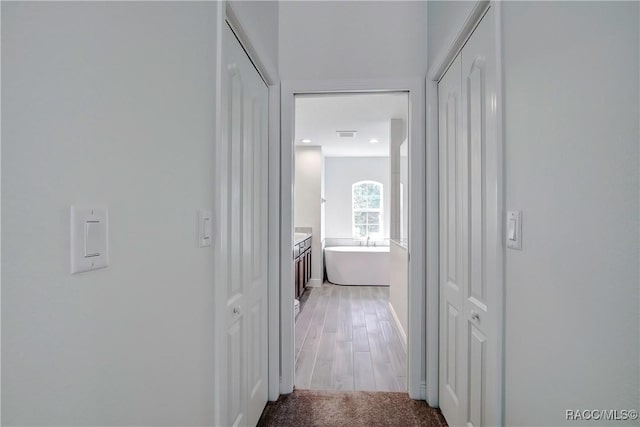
{"x":380,"y":211}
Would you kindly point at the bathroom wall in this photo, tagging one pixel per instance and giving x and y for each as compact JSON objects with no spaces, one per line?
{"x":399,"y":287}
{"x":340,"y":174}
{"x":399,"y":253}
{"x":398,"y":135}
{"x":309,"y":165}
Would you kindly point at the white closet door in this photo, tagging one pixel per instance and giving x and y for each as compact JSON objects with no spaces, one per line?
{"x":470,"y":234}
{"x":453,"y":216}
{"x":484,"y":234}
{"x":242,"y":241}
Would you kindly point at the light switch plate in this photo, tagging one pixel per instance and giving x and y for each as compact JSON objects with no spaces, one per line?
{"x":513,"y":230}
{"x":89,"y":243}
{"x":205,"y":227}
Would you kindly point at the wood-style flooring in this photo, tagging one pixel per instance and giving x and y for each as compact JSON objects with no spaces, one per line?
{"x":345,"y":339}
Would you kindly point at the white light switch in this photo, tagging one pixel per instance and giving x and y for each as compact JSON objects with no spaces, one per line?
{"x":511,"y":229}
{"x":514,"y":230}
{"x":93,"y":239}
{"x":89,"y":245}
{"x":204,"y":228}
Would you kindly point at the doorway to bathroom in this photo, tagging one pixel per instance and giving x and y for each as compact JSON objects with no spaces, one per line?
{"x":382,"y":228}
{"x":282,"y":329}
{"x":350,"y":240}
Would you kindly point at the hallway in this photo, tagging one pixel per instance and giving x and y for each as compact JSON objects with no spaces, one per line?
{"x":346,"y":340}
{"x":151,"y":197}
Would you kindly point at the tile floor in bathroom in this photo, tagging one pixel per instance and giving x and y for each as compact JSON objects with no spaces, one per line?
{"x":346,"y":339}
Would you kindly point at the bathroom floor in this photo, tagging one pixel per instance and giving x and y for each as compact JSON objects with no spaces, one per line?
{"x":346,"y":340}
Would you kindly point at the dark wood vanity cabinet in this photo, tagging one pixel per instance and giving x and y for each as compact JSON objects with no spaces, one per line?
{"x":302,"y":261}
{"x":299,"y":271}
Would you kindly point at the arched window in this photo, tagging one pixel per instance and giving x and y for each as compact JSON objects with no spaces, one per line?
{"x":366,"y":203}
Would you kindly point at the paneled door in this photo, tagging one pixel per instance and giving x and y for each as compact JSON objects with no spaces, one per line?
{"x":470,"y":231}
{"x":452,"y":256}
{"x":241,"y":247}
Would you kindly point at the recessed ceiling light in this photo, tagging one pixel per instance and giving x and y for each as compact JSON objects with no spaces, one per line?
{"x":373,"y":141}
{"x":305,"y":141}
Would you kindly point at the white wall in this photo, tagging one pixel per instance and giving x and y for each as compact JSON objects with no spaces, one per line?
{"x":399,"y":286}
{"x":260,"y":21}
{"x":399,"y":254}
{"x":444,"y":20}
{"x":571,"y":154}
{"x":399,"y":165}
{"x":572,"y":136}
{"x":340,"y":174}
{"x":307,"y":211}
{"x":352,"y":39}
{"x":109,"y":104}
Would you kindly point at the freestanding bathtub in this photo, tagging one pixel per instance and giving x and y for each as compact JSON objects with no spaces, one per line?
{"x":357,"y":265}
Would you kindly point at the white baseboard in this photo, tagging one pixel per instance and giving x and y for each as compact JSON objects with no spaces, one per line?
{"x":396,"y":321}
{"x":314,"y":283}
{"x":423,"y":390}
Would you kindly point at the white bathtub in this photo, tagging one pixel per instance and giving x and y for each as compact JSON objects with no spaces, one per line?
{"x":357,"y":265}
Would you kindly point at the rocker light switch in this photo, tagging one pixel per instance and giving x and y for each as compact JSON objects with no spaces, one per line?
{"x":204,"y":228}
{"x":89,"y":245}
{"x":511,"y":229}
{"x":514,"y":230}
{"x":93,"y":238}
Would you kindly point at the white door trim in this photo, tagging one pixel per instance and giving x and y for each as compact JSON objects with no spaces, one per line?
{"x":435,"y":73}
{"x":416,"y":326}
{"x":217,"y":292}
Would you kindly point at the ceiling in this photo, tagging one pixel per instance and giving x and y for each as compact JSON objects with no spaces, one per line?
{"x":319,"y":116}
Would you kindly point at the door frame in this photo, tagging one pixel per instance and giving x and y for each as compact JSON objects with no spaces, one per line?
{"x":266,"y":67}
{"x":283,"y":337}
{"x":435,"y":73}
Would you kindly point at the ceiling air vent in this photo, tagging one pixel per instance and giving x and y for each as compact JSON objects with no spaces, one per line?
{"x":347,"y":133}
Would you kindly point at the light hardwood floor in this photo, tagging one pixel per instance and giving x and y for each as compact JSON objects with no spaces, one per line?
{"x":346,"y":340}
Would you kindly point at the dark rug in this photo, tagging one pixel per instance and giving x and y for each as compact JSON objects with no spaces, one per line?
{"x":349,"y":408}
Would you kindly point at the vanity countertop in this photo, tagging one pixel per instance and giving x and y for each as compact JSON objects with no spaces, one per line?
{"x":299,"y":237}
